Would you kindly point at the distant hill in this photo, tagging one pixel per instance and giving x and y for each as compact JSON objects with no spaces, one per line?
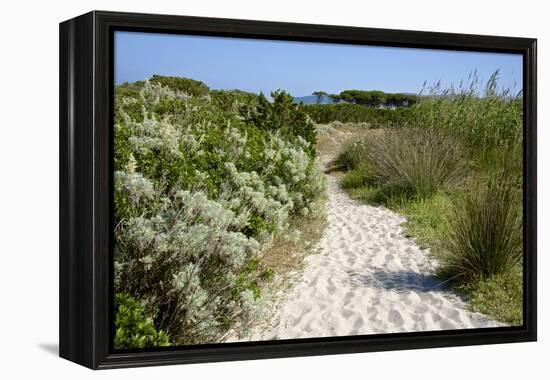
{"x":312,"y":99}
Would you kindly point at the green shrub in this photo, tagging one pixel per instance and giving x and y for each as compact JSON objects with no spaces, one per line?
{"x":376,"y":98}
{"x":188,"y":86}
{"x":485,"y":231}
{"x":356,"y":113}
{"x":132,"y":328}
{"x":235,"y":101}
{"x":286,"y":118}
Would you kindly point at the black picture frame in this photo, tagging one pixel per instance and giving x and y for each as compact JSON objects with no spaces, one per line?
{"x":86,"y":115}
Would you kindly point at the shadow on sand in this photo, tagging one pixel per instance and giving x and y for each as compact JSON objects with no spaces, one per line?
{"x":399,"y":281}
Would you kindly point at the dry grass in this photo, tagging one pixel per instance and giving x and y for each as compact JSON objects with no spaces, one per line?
{"x":406,"y":161}
{"x":332,"y":136}
{"x":286,"y":256}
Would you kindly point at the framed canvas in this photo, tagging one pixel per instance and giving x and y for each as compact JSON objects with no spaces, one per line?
{"x":234,"y":189}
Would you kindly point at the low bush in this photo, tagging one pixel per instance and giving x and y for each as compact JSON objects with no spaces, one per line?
{"x":183,"y":263}
{"x":286,"y":118}
{"x":237,"y":101}
{"x":188,"y":86}
{"x":356,"y":113}
{"x":132,"y":328}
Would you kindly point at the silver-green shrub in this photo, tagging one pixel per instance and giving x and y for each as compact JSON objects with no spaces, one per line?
{"x":198,"y":191}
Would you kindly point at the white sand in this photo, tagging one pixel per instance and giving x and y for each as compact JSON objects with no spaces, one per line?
{"x":366,"y":278}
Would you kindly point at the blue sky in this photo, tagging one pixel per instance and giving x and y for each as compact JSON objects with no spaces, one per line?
{"x":301,"y":67}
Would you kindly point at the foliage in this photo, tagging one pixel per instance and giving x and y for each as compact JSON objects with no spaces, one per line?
{"x":356,"y":113}
{"x":182,"y":262}
{"x":354,"y":179}
{"x":499,"y":296}
{"x":288,"y":119}
{"x":474,"y":230}
{"x":410,"y":162}
{"x":488,"y":121}
{"x":237,"y":101}
{"x":199,"y":188}
{"x":485,"y":230}
{"x":132,"y":328}
{"x":188,"y":86}
{"x":377,"y":98}
{"x":427,"y":219}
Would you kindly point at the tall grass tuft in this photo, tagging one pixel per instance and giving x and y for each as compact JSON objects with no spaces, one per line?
{"x":485,"y":236}
{"x":486,"y":117}
{"x":405,"y":161}
{"x":352,"y":155}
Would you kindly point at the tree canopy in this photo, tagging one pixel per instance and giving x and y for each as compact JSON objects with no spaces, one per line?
{"x":377,"y":98}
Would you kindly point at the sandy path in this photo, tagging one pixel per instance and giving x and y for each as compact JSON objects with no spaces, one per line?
{"x":366,"y":277}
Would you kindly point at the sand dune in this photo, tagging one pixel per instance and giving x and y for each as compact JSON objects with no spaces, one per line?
{"x":365,"y":278}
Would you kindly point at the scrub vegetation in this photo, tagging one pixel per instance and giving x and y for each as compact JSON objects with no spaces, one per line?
{"x":453,"y":167}
{"x":219,"y":194}
{"x":204,"y":181}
